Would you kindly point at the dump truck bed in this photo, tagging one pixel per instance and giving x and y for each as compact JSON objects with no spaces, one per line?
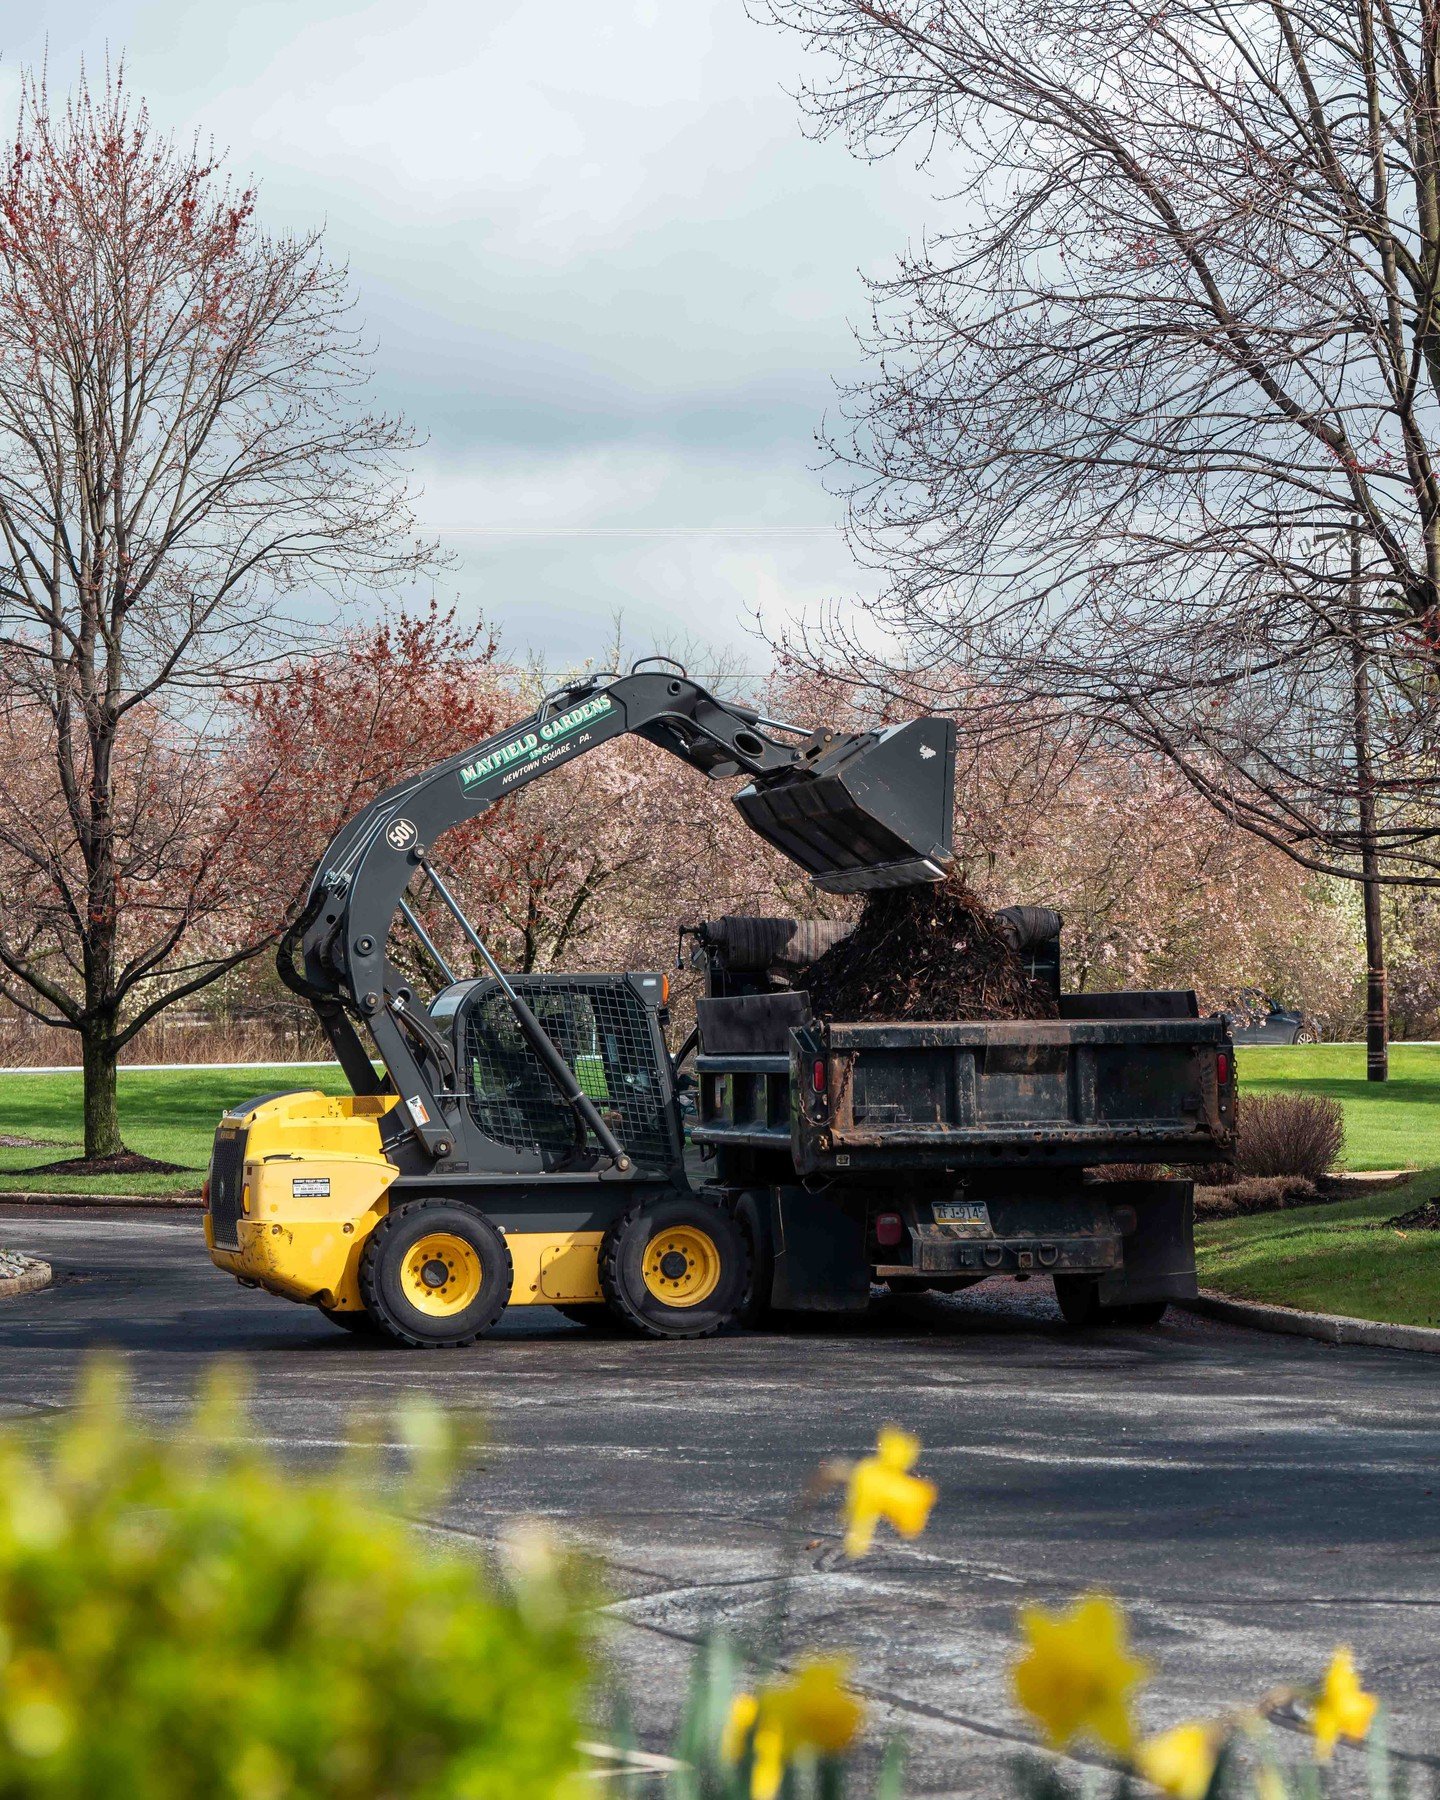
{"x":851,"y":1099}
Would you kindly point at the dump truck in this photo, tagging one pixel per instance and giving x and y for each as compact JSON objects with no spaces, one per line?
{"x":930,"y":1155}
{"x":523,"y":1139}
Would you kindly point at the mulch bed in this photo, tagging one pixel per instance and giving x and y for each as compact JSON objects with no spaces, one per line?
{"x":123,"y":1162}
{"x":1419,"y":1218}
{"x":926,"y":952}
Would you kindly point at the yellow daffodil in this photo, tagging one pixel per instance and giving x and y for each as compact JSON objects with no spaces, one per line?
{"x":812,"y":1714}
{"x":744,"y":1710}
{"x":1180,"y":1761}
{"x":1343,"y":1708}
{"x":816,"y":1710}
{"x":1077,"y":1673}
{"x":882,"y":1487}
{"x":768,"y":1759}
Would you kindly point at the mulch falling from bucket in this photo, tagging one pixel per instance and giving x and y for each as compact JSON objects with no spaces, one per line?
{"x":926,"y":952}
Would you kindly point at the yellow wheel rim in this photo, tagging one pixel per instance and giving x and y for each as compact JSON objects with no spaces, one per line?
{"x":682,"y":1266}
{"x":442,"y":1274}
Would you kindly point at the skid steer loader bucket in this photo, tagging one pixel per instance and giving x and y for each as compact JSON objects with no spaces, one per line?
{"x":872,"y":811}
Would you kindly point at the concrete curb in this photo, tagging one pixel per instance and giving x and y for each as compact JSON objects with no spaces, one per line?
{"x":1326,"y":1328}
{"x":30,"y":1280}
{"x":98,"y":1202}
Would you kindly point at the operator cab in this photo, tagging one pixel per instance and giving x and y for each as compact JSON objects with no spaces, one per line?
{"x":609,"y":1029}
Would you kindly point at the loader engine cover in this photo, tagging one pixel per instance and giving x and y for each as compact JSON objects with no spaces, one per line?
{"x":869,"y":814}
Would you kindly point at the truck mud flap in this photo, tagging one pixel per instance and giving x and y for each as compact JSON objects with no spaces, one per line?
{"x":1159,"y":1259}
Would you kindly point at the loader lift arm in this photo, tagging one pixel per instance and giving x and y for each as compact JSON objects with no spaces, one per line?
{"x":855,"y":810}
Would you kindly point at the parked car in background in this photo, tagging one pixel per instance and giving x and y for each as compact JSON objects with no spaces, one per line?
{"x":1257,"y":1019}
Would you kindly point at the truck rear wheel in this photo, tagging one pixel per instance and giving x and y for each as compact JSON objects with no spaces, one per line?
{"x":675,"y":1268}
{"x":1143,"y":1312}
{"x":435,"y":1274}
{"x":752,"y":1214}
{"x":1078,"y":1297}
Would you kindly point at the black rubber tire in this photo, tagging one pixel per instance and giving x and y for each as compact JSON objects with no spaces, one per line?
{"x":383,"y":1260}
{"x":1143,"y":1312}
{"x":622,"y":1255}
{"x":1078,"y":1297}
{"x":359,"y":1324}
{"x":755,"y":1310}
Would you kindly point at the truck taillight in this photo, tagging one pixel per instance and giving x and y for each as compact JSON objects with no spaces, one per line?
{"x":817,"y":1075}
{"x":889,"y":1229}
{"x":1222,"y":1068}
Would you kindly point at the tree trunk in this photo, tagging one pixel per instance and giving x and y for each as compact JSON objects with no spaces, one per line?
{"x":1377,"y":1011}
{"x":1377,"y":1019}
{"x":102,"y":1113}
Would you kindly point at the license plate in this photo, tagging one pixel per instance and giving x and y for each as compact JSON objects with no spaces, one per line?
{"x":963,"y":1212}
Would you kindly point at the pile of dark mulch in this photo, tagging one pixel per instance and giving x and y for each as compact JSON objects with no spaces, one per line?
{"x":926,"y":952}
{"x":123,"y":1162}
{"x":1419,"y":1218}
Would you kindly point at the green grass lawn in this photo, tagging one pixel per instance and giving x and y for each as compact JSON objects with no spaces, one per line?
{"x":169,"y":1114}
{"x":1334,"y":1258}
{"x":1337,"y":1258}
{"x":1393,"y":1124}
{"x":1340,"y":1258}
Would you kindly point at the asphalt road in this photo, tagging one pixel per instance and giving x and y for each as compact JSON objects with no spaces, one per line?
{"x":1254,"y":1500}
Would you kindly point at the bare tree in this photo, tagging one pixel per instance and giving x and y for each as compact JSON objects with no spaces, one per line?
{"x":187,"y":471}
{"x":1184,"y":333}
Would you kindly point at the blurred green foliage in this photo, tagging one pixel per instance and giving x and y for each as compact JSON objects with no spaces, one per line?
{"x":179,"y":1617}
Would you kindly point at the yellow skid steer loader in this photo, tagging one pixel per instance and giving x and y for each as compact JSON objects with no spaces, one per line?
{"x":520,"y":1142}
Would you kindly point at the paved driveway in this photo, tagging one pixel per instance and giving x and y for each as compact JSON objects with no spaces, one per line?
{"x":1254,"y":1500}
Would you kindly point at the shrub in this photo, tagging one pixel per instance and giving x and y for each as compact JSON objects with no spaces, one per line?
{"x":178,"y":1617}
{"x":1252,"y":1194}
{"x":1289,"y":1134}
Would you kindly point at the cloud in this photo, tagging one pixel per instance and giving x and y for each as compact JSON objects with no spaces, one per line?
{"x":557,"y":129}
{"x":604,"y":271}
{"x":552,"y":549}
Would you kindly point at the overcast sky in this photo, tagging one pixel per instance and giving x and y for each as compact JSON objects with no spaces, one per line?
{"x":605,"y":271}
